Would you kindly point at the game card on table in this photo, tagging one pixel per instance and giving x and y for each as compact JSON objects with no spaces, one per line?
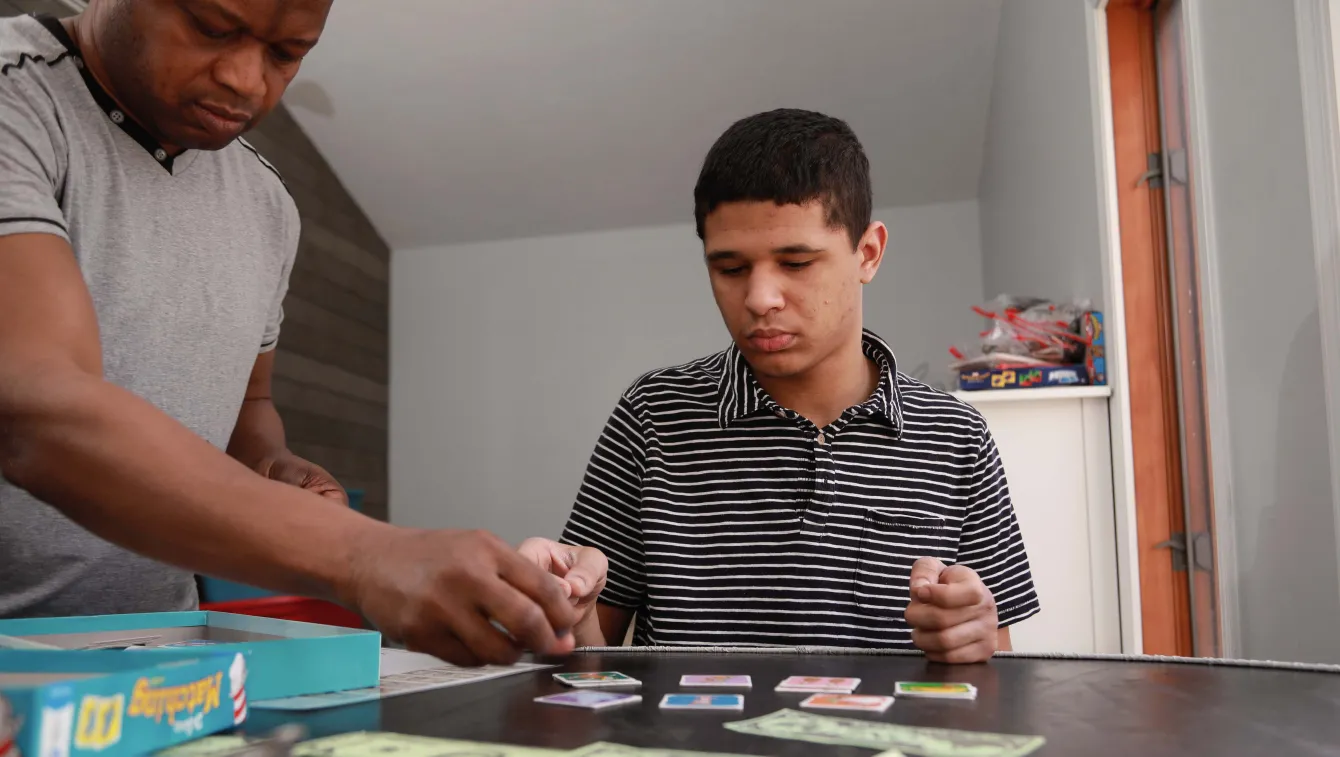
{"x":729,"y":702}
{"x":851,"y":702}
{"x":815,"y":684}
{"x":605,"y":679}
{"x":935,"y":690}
{"x":590,"y":700}
{"x":717,"y":682}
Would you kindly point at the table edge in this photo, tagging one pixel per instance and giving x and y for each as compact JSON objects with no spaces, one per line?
{"x":805,"y":650}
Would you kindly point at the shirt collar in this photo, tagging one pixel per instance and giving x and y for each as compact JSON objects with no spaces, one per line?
{"x":104,"y":100}
{"x":740,"y":395}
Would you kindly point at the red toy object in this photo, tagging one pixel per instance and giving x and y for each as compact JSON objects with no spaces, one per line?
{"x":302,"y":609}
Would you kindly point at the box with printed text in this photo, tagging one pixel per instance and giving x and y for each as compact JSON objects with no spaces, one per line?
{"x":286,"y":658}
{"x":74,"y":703}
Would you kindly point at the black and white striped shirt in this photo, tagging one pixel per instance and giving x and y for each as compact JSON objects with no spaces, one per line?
{"x":728,"y":519}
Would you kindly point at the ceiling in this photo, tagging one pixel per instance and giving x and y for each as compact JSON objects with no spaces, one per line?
{"x":463,"y":120}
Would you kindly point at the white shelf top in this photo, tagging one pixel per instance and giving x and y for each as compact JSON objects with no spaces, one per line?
{"x":1035,"y":395}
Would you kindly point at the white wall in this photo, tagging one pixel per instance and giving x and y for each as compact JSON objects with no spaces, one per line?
{"x":507,"y":357}
{"x":1286,"y":536}
{"x":1039,"y":185}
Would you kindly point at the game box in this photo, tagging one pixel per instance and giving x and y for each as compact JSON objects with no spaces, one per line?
{"x":67,"y":703}
{"x":1024,"y":377}
{"x":286,"y":658}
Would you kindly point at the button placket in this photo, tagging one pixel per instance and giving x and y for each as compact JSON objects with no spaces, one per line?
{"x":825,"y":485}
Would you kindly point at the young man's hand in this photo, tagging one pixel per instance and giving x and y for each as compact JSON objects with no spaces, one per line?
{"x":952,"y":613}
{"x":581,"y":570}
{"x":442,"y":592}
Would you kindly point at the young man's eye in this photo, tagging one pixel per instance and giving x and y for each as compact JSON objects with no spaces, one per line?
{"x":732,"y":271}
{"x":796,"y":265}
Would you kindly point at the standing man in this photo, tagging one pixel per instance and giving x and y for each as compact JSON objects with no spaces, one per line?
{"x":144,"y":254}
{"x":797,"y":489}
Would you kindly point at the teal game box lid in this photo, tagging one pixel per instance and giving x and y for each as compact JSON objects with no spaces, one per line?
{"x":73,"y":703}
{"x":286,"y":658}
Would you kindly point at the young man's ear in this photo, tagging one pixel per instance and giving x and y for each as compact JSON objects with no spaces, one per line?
{"x":871,"y":249}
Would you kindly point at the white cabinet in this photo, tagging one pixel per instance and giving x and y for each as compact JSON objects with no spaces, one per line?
{"x":1056,"y":448}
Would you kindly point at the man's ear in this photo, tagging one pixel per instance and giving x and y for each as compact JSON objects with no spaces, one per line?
{"x":871,"y":249}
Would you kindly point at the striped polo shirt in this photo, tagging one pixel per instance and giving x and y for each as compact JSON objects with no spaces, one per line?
{"x":729,"y":519}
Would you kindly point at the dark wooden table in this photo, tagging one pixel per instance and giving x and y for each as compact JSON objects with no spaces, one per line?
{"x":1084,"y":707}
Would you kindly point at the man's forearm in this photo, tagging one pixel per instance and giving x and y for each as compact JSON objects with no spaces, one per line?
{"x":129,"y":473}
{"x":259,"y":433}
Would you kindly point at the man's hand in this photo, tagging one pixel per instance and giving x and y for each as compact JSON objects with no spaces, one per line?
{"x":952,"y":613}
{"x":581,"y":570}
{"x":293,"y":470}
{"x":441,"y":592}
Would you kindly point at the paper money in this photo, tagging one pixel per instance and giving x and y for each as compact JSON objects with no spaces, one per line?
{"x":368,"y":744}
{"x":873,"y":734}
{"x":210,"y":746}
{"x":603,"y":749}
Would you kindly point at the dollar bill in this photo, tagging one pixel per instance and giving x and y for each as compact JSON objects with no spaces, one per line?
{"x":210,"y":746}
{"x":924,"y":742}
{"x":370,"y":744}
{"x":604,"y":749}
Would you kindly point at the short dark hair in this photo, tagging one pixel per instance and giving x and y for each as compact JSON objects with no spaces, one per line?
{"x":791,"y":157}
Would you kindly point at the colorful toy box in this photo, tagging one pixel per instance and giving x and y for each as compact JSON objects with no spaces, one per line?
{"x":1024,"y":378}
{"x":1095,"y":355}
{"x":70,"y":704}
{"x":286,"y":658}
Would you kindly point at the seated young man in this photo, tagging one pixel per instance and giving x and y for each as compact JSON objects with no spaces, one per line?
{"x":797,"y":489}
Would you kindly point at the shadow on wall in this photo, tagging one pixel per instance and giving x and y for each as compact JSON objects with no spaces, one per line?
{"x":1289,"y":580}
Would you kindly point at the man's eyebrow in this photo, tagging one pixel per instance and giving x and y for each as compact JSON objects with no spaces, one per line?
{"x":232,"y":18}
{"x":796,"y":249}
{"x":716,"y":255}
{"x":229,"y":16}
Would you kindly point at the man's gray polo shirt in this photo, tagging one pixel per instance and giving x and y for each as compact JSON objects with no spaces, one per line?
{"x":187,"y":259}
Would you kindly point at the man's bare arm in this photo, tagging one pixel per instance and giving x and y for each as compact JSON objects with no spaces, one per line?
{"x":258,"y":439}
{"x":126,"y":471}
{"x":259,"y":433}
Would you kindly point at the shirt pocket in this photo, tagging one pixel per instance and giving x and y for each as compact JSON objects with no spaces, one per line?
{"x":892,"y":539}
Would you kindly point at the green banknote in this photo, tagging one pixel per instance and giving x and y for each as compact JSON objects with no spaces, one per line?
{"x":872,"y":734}
{"x":365,"y":744}
{"x":603,"y":749}
{"x":368,"y":744}
{"x":210,"y":746}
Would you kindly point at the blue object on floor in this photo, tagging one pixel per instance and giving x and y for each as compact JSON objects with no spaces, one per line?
{"x":218,"y":590}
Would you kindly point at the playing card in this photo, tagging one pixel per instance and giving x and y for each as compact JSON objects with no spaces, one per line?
{"x":854,"y":702}
{"x":716,"y":681}
{"x":591,"y":700}
{"x":935,"y":690}
{"x":606,"y":679}
{"x":823,"y":684}
{"x":702,"y":702}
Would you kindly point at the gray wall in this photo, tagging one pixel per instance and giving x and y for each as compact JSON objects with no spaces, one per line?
{"x":509,"y":356}
{"x":1038,"y":187}
{"x":331,"y":368}
{"x":1286,"y":537}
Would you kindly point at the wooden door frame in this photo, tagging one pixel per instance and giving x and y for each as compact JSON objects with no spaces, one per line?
{"x":1156,"y":607}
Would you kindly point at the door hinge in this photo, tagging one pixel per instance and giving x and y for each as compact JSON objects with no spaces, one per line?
{"x":1200,"y":547}
{"x":1178,"y":170}
{"x":1154,"y":175}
